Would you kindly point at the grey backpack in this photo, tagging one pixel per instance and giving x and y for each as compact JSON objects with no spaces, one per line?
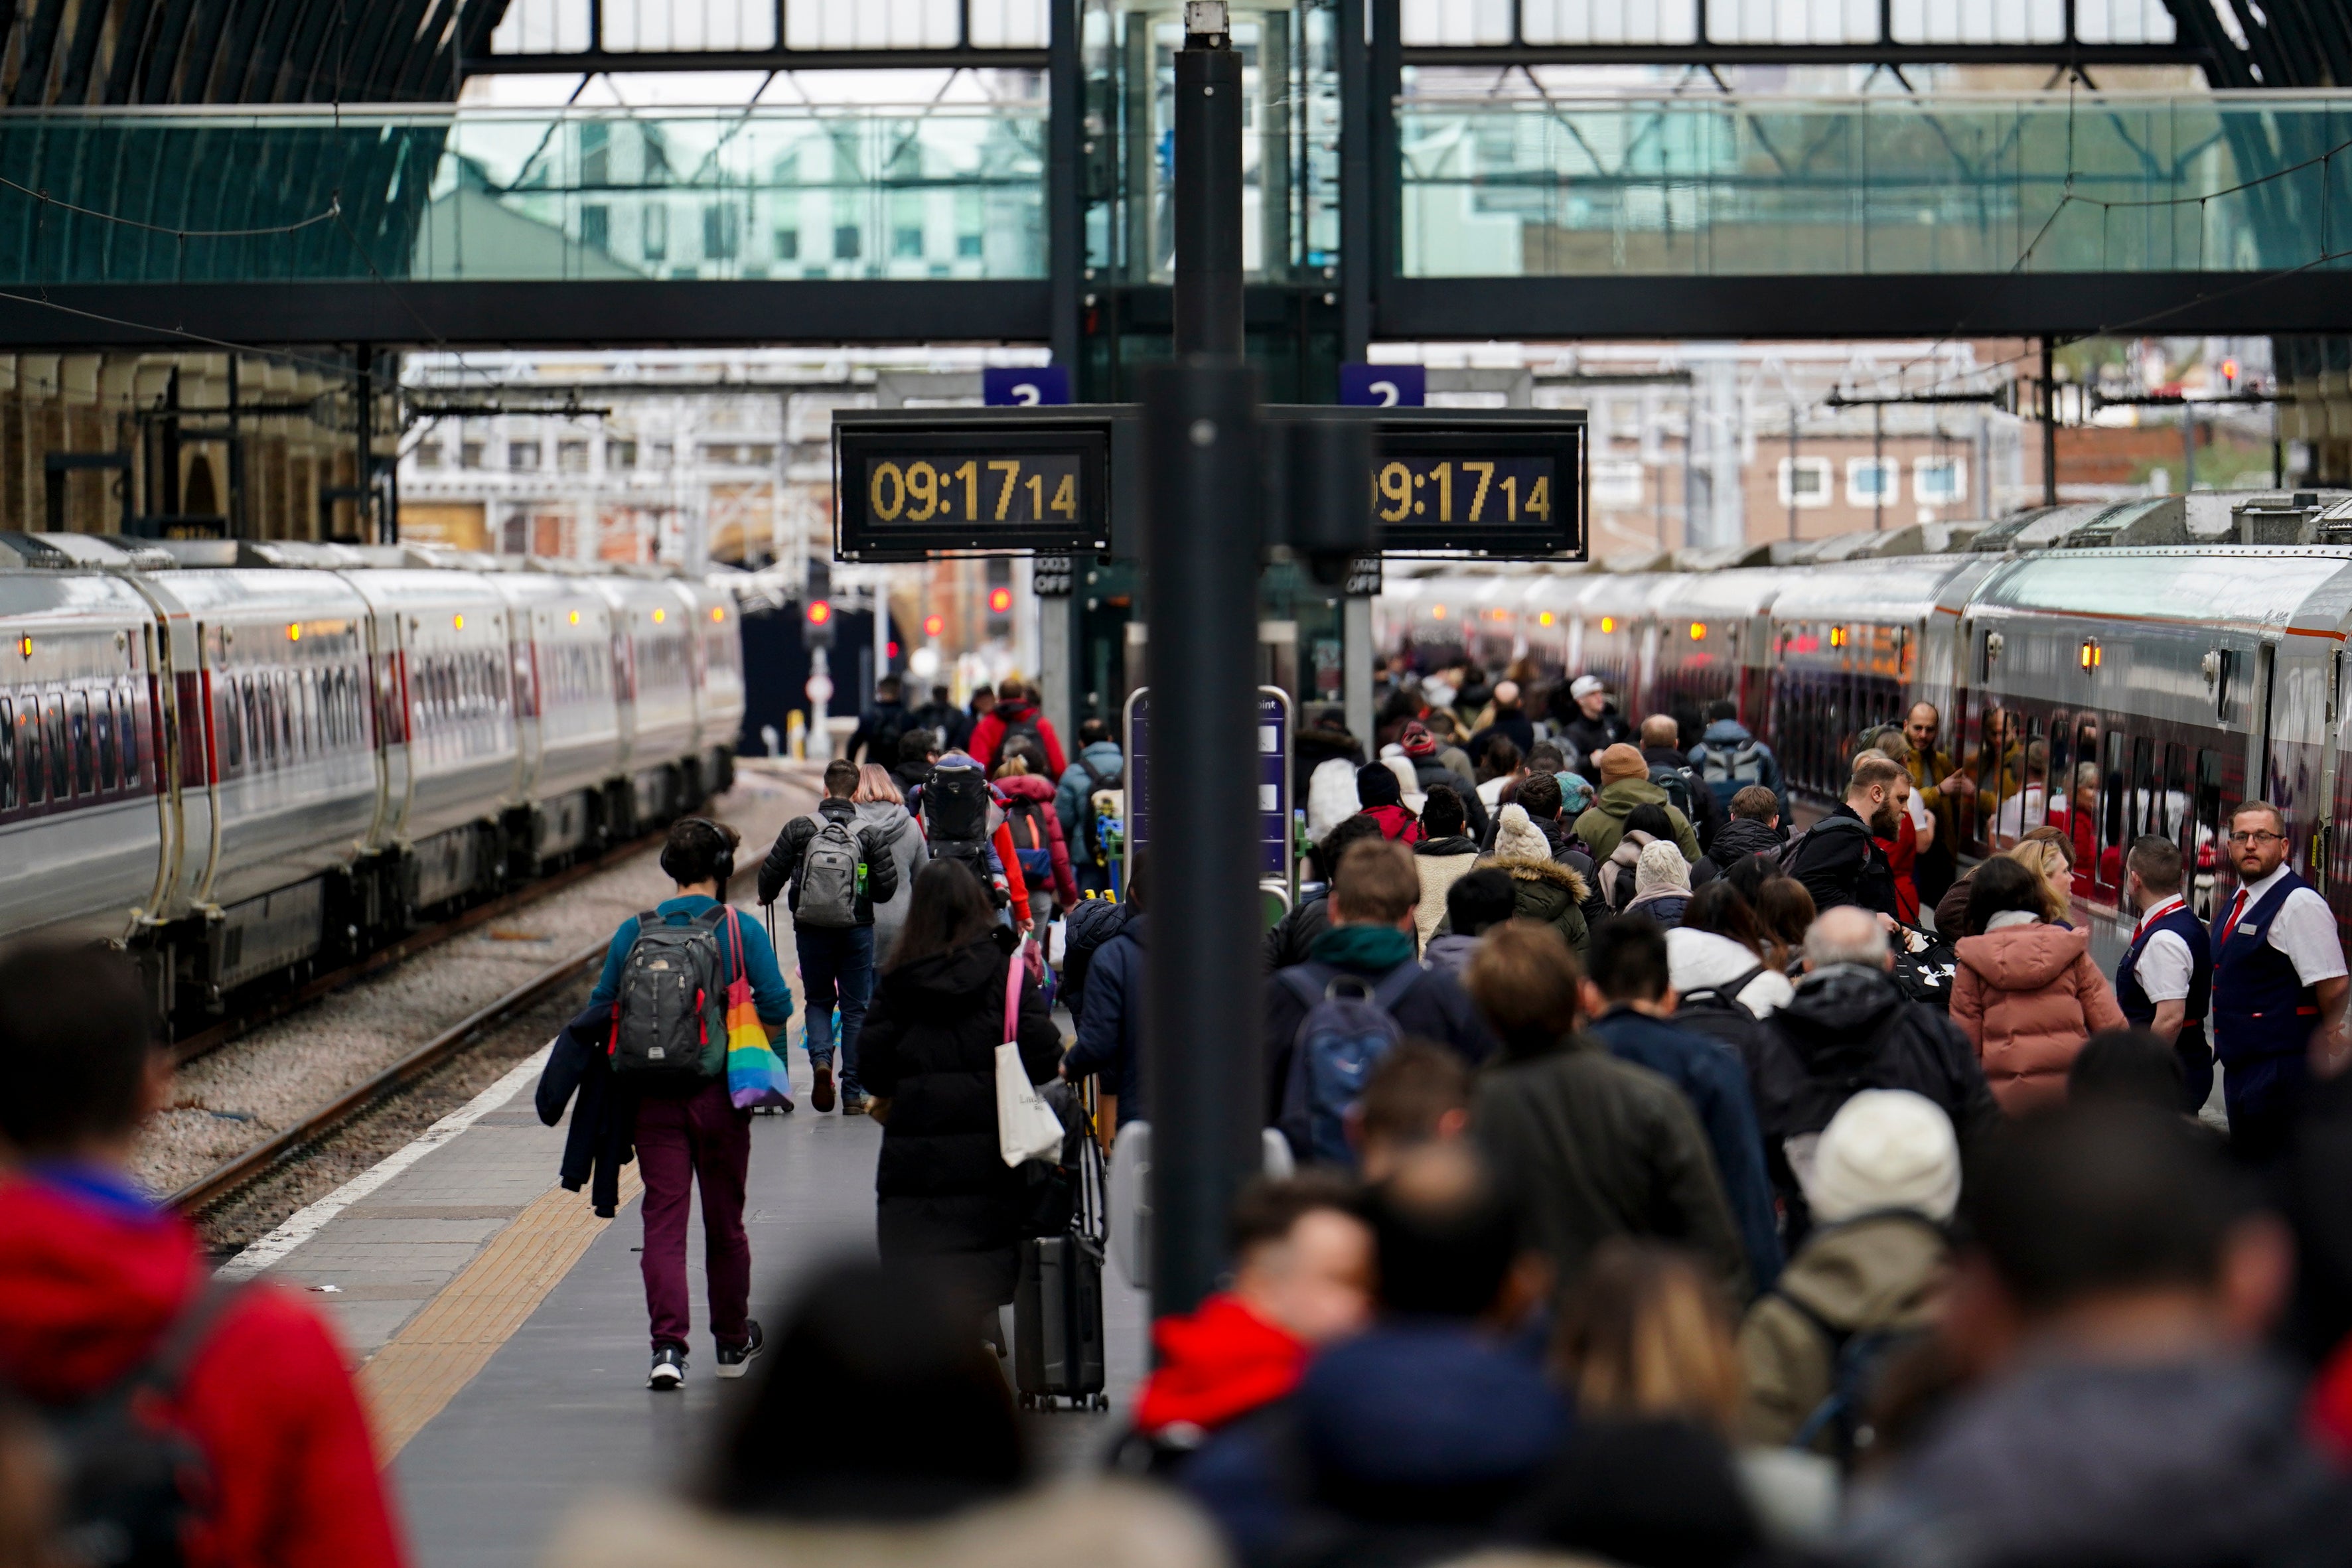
{"x":828,"y":892}
{"x":669,"y":1020}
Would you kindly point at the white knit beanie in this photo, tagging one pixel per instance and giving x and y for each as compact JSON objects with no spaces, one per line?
{"x":1517,"y":838}
{"x":1661,"y":869}
{"x":1886,"y":1148}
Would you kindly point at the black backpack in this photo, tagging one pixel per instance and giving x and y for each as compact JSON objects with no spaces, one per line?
{"x":669,"y":1016}
{"x":1086,"y":926}
{"x":132,"y":1484}
{"x":955,"y":819}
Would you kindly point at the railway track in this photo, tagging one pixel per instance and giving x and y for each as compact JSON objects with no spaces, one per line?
{"x":223,"y":1181}
{"x":206,"y":1041}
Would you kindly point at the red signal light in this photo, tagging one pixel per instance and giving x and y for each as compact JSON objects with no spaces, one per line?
{"x":891,"y":649}
{"x":934,"y":625}
{"x":819,"y":611}
{"x":999,"y":601}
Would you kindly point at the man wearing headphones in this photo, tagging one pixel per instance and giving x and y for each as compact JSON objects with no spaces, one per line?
{"x":692,"y":1135}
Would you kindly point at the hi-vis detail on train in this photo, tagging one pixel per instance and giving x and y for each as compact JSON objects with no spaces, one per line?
{"x":244,"y":760}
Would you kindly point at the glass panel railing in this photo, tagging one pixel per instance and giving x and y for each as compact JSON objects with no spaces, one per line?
{"x":1727,"y":186}
{"x":512,"y":195}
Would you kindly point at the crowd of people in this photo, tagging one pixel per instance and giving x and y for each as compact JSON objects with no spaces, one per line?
{"x":1667,"y":1184}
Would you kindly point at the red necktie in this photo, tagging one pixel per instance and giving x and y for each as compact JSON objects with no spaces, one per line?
{"x":2229,"y":927}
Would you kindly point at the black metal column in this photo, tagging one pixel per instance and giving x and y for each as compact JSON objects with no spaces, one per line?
{"x":1066,"y":237}
{"x":1355,"y":183}
{"x":2049,"y":424}
{"x":1201,"y":558}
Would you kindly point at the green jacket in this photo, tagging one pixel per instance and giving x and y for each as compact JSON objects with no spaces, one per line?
{"x":1875,"y":1273}
{"x":1549,"y":893}
{"x":1603,"y":822}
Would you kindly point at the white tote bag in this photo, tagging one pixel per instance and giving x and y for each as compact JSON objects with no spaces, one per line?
{"x":1026,"y":1127}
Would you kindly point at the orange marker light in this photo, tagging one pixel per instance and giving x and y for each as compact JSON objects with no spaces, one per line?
{"x":1837,"y":636}
{"x":718,"y":614}
{"x":458,"y":622}
{"x":25,"y":646}
{"x":1609,"y":623}
{"x":2091,"y":655}
{"x":660,"y":616}
{"x":1544,"y":619}
{"x":294,"y":631}
{"x":934,"y":625}
{"x":1698,"y":630}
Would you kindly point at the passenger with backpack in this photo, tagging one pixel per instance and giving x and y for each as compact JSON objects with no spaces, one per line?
{"x":1017,"y":716}
{"x":1329,"y":1020}
{"x":834,"y":866}
{"x":1038,"y":840}
{"x":1090,"y":800}
{"x":1671,"y":770}
{"x":184,"y":1418}
{"x":1108,"y":973}
{"x":1625,"y":784}
{"x":666,"y":975}
{"x":1865,"y":1286}
{"x":963,"y":819}
{"x":1729,"y":758}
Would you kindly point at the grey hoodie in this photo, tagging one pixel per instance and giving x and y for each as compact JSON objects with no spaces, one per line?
{"x":905,"y":841}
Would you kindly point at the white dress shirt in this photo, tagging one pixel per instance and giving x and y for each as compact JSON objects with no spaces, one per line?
{"x":2165,"y":965}
{"x":2303,"y":929}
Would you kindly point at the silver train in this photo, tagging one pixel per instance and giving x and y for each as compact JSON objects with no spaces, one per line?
{"x":247,"y":761}
{"x":2122,"y":670}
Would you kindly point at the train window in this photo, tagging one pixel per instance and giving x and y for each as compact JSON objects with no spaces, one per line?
{"x":81,"y":743}
{"x":109,"y":765}
{"x":230,"y":731}
{"x":8,"y":800}
{"x":2172,"y":802}
{"x":2113,"y":823}
{"x":53,"y":710}
{"x":2140,"y":814}
{"x":127,"y":731}
{"x":36,"y":764}
{"x":2206,"y":858}
{"x":249,"y":716}
{"x":285,"y":707}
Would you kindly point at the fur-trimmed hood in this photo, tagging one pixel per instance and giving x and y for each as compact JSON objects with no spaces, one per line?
{"x":1563,"y":877}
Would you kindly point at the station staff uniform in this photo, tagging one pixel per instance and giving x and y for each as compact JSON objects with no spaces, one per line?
{"x":2171,"y":960}
{"x":2271,"y":948}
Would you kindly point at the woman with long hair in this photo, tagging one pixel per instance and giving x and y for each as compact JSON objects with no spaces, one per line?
{"x":945,"y":1198}
{"x":880,"y":805}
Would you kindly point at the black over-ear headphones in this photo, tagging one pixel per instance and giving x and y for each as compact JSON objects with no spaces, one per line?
{"x":722,"y":863}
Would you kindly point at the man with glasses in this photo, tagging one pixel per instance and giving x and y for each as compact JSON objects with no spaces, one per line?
{"x":2279,"y":985}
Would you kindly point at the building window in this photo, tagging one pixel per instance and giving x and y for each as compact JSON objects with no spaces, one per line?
{"x":1871,"y":482}
{"x":968,"y":246}
{"x":523,"y":454}
{"x":657,"y":230}
{"x":429,"y":454}
{"x":907,"y":244}
{"x":1617,"y":483}
{"x":571,"y":456}
{"x":620,"y":454}
{"x":469,"y":455}
{"x":788,"y":245}
{"x":1938,"y":481}
{"x":597,"y":227}
{"x":846,"y":243}
{"x":719,"y":230}
{"x":1804,"y":481}
{"x":663,"y":454}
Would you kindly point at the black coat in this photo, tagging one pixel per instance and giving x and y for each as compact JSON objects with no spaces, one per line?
{"x":944,"y":1193}
{"x":1840,"y":863}
{"x":1431,"y":773}
{"x":1288,"y":939}
{"x":1738,"y":838}
{"x":1591,"y":737}
{"x":1850,"y":1028}
{"x":603,"y":1135}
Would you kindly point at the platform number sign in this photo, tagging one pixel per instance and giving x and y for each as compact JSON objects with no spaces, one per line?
{"x":1024,"y":386}
{"x":1383,"y":386}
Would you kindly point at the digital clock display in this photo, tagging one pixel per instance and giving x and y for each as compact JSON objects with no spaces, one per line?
{"x":1479,"y":492}
{"x":948,"y":489}
{"x":1502,"y":491}
{"x":909,"y":487}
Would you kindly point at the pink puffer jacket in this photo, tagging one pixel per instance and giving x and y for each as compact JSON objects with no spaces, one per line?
{"x":2028,"y":997}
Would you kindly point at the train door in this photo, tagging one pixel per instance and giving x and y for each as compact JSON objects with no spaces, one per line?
{"x":2324,"y":872}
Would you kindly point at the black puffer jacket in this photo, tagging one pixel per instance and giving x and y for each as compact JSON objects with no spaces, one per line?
{"x":929,"y":1048}
{"x":1739,"y":838}
{"x":1840,"y":863}
{"x":1850,"y":1028}
{"x":780,"y":871}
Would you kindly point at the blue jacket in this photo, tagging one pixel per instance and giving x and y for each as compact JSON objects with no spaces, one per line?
{"x":1419,"y":1427}
{"x":1713,"y":1079}
{"x":1071,"y":795}
{"x":1731,"y":733}
{"x":770,"y":995}
{"x":1110,"y":1026}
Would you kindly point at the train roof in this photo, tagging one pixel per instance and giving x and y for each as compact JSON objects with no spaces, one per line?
{"x":2308,"y":586}
{"x":1901,"y":588}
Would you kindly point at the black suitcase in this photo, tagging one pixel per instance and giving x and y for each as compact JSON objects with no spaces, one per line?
{"x":1058,"y":1310}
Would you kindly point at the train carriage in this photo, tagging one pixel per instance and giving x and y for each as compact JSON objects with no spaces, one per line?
{"x":653,"y":665}
{"x":1713,"y":642}
{"x":567,"y":715}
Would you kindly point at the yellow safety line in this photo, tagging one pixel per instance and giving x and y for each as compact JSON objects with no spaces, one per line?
{"x":437,"y":1351}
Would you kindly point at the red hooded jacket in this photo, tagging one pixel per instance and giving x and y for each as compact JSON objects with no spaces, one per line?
{"x":989,"y":734}
{"x":1029,"y":786}
{"x":88,"y":1281}
{"x":1222,"y":1362}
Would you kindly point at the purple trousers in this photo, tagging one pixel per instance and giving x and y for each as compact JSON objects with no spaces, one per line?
{"x":699,"y":1139}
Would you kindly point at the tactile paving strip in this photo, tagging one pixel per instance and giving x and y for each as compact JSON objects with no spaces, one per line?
{"x":440,"y":1349}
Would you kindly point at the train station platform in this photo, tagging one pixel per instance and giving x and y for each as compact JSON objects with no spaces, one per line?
{"x":501,"y":1326}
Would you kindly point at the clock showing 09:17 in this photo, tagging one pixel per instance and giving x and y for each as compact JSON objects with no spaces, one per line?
{"x":1481,"y":492}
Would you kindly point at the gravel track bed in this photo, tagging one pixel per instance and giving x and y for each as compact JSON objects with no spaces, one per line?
{"x":254,"y":1088}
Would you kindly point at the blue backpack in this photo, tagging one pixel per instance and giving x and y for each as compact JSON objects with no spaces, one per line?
{"x":1348,"y":1028}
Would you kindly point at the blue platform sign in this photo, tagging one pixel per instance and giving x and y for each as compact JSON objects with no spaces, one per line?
{"x":1024,"y":386}
{"x":1273,"y":777}
{"x":1383,"y":386}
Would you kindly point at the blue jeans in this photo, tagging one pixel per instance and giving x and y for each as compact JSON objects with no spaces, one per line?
{"x":836,"y":964}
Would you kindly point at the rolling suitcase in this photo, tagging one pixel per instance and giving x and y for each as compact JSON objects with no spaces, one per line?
{"x":1057,"y":1311}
